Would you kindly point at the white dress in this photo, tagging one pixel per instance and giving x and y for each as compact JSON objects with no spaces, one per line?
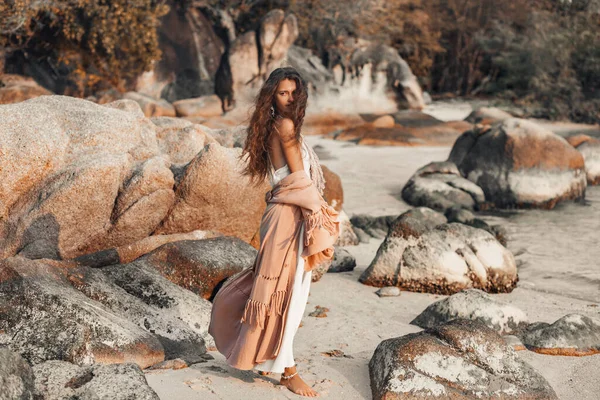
{"x":300,"y":289}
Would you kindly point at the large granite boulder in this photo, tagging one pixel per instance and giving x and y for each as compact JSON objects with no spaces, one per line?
{"x":205,"y":106}
{"x":459,"y":360}
{"x":55,"y":380}
{"x":422,"y":253}
{"x":201,"y":265}
{"x":181,"y":140}
{"x":44,"y":318}
{"x":474,"y":305}
{"x":64,"y":164}
{"x":16,"y":377}
{"x":213,"y":195}
{"x":590,"y":150}
{"x":518,"y":163}
{"x":571,"y":335}
{"x":439,"y":186}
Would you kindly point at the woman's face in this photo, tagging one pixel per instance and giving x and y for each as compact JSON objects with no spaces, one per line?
{"x":284,"y":96}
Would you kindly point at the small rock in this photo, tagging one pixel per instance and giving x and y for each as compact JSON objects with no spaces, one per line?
{"x":343,"y":261}
{"x":388,"y":291}
{"x":571,"y":335}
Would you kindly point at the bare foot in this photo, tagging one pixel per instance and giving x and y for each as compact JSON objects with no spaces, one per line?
{"x":264,"y":373}
{"x":296,"y":384}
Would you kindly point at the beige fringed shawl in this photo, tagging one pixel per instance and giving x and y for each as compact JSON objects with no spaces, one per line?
{"x":292,"y":202}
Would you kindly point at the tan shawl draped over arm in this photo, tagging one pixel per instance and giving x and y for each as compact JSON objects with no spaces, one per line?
{"x":255,"y":336}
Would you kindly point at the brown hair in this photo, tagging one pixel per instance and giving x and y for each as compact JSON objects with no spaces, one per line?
{"x":259,"y":131}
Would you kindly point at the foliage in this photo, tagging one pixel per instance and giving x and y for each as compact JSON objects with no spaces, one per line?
{"x":113,"y":40}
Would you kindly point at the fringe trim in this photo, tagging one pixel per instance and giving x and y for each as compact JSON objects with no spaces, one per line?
{"x":320,"y":219}
{"x":256,"y":312}
{"x":268,"y":278}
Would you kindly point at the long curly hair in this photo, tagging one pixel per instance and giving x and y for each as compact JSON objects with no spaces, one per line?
{"x":261,"y":127}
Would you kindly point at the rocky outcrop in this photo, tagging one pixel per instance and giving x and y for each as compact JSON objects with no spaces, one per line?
{"x":422,"y":253}
{"x":461,"y":359}
{"x":376,"y":227}
{"x":276,"y":35}
{"x":46,"y":318}
{"x":439,"y":186}
{"x":487,"y":116}
{"x":213,"y":195}
{"x":590,"y":150}
{"x":16,"y":377}
{"x":16,"y":88}
{"x":310,"y":68}
{"x":571,"y":335}
{"x":201,"y":265}
{"x":474,"y":305}
{"x":62,"y":380}
{"x":517,"y":163}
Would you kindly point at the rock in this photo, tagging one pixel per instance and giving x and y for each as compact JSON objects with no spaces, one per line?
{"x":388,"y":291}
{"x":205,"y":106}
{"x":460,"y":215}
{"x":201,"y":265}
{"x":333,"y":193}
{"x":461,"y":359}
{"x":320,"y":270}
{"x":62,"y":380}
{"x":16,"y":377}
{"x":191,"y":54}
{"x":310,"y":68}
{"x":347,"y":235}
{"x":571,"y":335}
{"x":376,"y":227}
{"x":518,"y":163}
{"x":487,"y":116}
{"x":515,"y":342}
{"x":443,"y":260}
{"x":229,"y":137}
{"x":46,"y":318}
{"x":363,"y":237}
{"x":213,"y":195}
{"x":151,"y":107}
{"x":342,"y":261}
{"x":475,"y":305}
{"x":158,"y":309}
{"x":243,"y":62}
{"x":385,"y":121}
{"x":16,"y":88}
{"x":403,"y":231}
{"x":141,"y":280}
{"x":276,"y":34}
{"x":141,"y":205}
{"x":68,"y":178}
{"x":590,"y":150}
{"x":180,"y":139}
{"x":438,"y":185}
{"x":175,"y":364}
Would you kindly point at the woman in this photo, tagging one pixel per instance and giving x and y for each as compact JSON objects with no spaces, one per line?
{"x":257,"y":313}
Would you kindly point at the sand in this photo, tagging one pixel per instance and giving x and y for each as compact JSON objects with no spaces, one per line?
{"x":359,"y":320}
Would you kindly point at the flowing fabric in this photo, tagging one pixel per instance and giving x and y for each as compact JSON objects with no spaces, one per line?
{"x":295,"y":210}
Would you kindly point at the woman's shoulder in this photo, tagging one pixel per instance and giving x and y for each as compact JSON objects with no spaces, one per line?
{"x":285,"y":127}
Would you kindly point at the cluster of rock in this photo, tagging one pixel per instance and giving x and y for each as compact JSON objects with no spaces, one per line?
{"x":408,"y":127}
{"x":512,"y":163}
{"x":425,"y":252}
{"x":467,"y":350}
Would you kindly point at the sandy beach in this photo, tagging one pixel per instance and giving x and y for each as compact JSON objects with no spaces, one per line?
{"x":359,"y":320}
